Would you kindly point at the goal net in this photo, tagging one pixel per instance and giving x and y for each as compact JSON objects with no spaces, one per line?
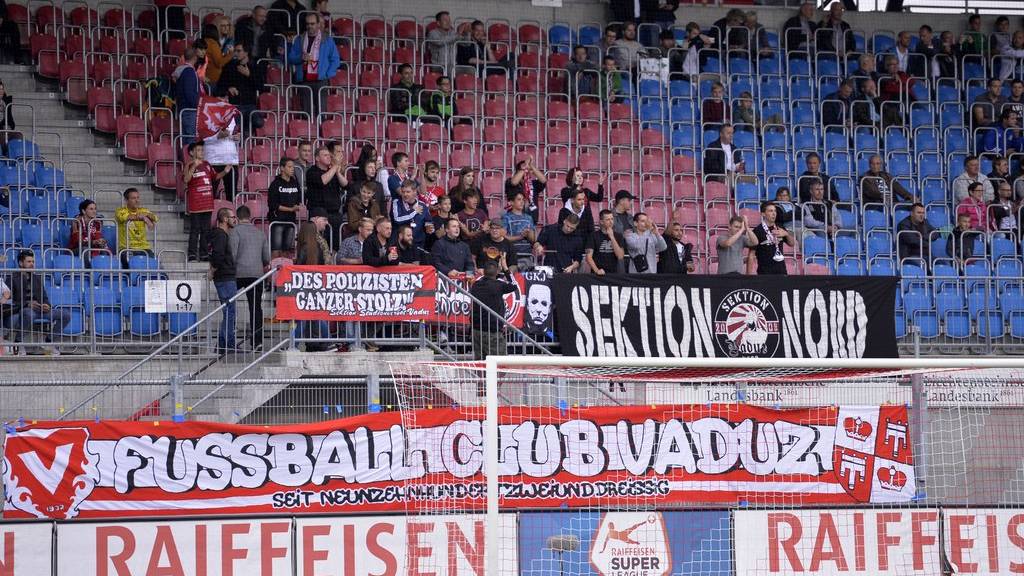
{"x":644,"y":467}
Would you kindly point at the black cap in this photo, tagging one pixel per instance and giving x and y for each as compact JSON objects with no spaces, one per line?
{"x":317,"y":213}
{"x":623,"y":194}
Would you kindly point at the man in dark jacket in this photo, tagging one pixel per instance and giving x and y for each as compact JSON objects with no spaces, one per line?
{"x":379,"y":249}
{"x":285,"y":17}
{"x":223,"y":272}
{"x":721,"y":157}
{"x":676,"y":258}
{"x":833,"y":34}
{"x":450,"y":255}
{"x":913,"y":235}
{"x":252,"y":32}
{"x":404,"y":96}
{"x":186,"y":95}
{"x":240,"y":83}
{"x":799,"y":30}
{"x":489,"y":291}
{"x":878,"y":186}
{"x":837,"y":109}
{"x":29,"y":302}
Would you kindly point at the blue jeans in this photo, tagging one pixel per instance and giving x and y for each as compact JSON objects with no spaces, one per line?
{"x":188,"y":126}
{"x":226,"y":337}
{"x":23,"y":321}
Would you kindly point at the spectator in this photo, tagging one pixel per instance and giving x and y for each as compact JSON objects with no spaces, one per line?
{"x":323,"y":190}
{"x":530,"y":181}
{"x":464,"y":187}
{"x":351,"y":250}
{"x":878,"y":186}
{"x":315,"y":59}
{"x":240,"y":84}
{"x":669,"y":51}
{"x":867,"y":109}
{"x":560,"y":245}
{"x":974,"y":41}
{"x":431,"y":190}
{"x":574,"y":184}
{"x":730,"y":246}
{"x":746,"y":117}
{"x":607,"y":42}
{"x":403,"y":172}
{"x":404,"y":97}
{"x":87,"y":233}
{"x":713,"y":111}
{"x":1000,"y":172}
{"x":972,"y":173}
{"x":866,"y":70}
{"x":198,"y":179}
{"x":283,"y":201}
{"x":643,"y":243}
{"x":771,"y":237}
{"x":186,"y":94}
{"x":408,"y":251}
{"x":304,"y":162}
{"x":313,"y":250}
{"x":494,"y":247}
{"x":1015,"y":101}
{"x":815,"y":174}
{"x":1001,"y":34}
{"x":252,"y":32}
{"x":223,"y":272}
{"x":10,"y":38}
{"x":441,"y":42}
{"x":677,"y":257}
{"x":961,"y":242}
{"x":758,"y":44}
{"x":974,"y":207}
{"x":472,"y":218}
{"x":361,"y":206}
{"x":610,"y":82}
{"x":489,"y":310}
{"x":219,"y":48}
{"x":285,"y":18}
{"x":441,"y":213}
{"x":1012,"y":63}
{"x":800,"y":29}
{"x":221,"y":151}
{"x":948,"y":57}
{"x":578,"y":206}
{"x":722,"y":159}
{"x":605,"y":247}
{"x":6,"y":118}
{"x":477,"y":51}
{"x":913,"y":236}
{"x":819,"y":218}
{"x":623,"y":211}
{"x":451,"y":255}
{"x":442,"y":103}
{"x":834,"y":34}
{"x":1003,"y":210}
{"x":379,"y":249}
{"x":133,"y":221}
{"x":984,"y":110}
{"x":367,"y":176}
{"x":696,"y":42}
{"x":837,"y":110}
{"x":251,"y":254}
{"x":901,"y":51}
{"x":784,"y":206}
{"x":519,"y":225}
{"x":30,"y":304}
{"x":627,"y":49}
{"x":582,"y":73}
{"x":924,"y":53}
{"x":729,"y":32}
{"x":1003,"y":137}
{"x":407,"y":210}
{"x":895,"y":86}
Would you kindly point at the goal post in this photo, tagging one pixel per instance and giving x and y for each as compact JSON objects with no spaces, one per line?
{"x":725,"y":455}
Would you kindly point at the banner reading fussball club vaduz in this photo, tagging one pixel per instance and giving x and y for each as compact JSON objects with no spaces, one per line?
{"x":549,"y":458}
{"x":356,"y":293}
{"x":725,"y":316}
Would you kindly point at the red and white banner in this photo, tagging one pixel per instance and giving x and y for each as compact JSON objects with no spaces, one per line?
{"x":356,"y":293}
{"x":984,"y":541}
{"x":213,"y":116}
{"x":549,"y":458}
{"x":25,"y":549}
{"x":241,"y":547}
{"x":850,"y":542}
{"x":396,"y":546}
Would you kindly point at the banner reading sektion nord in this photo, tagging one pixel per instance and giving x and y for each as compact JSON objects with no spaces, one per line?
{"x":356,"y":293}
{"x":549,"y":458}
{"x":725,"y":316}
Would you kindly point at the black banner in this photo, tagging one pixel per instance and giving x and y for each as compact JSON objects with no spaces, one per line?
{"x":726,"y":316}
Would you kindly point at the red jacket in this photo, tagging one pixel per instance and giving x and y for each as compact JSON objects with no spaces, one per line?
{"x":199,"y":190}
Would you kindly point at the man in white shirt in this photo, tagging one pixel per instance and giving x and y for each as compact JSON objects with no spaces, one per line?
{"x":902,"y":51}
{"x":971,"y":174}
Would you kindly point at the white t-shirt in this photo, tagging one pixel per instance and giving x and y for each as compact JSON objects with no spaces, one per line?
{"x":222,"y":151}
{"x":730,"y":166}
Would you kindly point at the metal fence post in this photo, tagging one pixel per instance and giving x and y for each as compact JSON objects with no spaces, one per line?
{"x":178,"y":397}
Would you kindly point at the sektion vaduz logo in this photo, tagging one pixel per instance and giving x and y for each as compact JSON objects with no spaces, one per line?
{"x":746,"y":324}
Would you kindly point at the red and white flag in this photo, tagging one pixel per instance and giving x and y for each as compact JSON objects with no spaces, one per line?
{"x":214,"y":116}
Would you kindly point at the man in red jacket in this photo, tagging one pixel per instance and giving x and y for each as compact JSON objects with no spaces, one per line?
{"x":199,"y":177}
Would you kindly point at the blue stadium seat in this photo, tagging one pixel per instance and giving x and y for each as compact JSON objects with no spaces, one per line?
{"x":958,"y":325}
{"x":927,"y":323}
{"x":850,"y":267}
{"x":881,"y":267}
{"x":990,"y":324}
{"x":815,"y":246}
{"x":901,"y":325}
{"x":180,"y":322}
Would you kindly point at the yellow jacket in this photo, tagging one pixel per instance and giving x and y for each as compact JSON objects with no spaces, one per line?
{"x":131,"y":234}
